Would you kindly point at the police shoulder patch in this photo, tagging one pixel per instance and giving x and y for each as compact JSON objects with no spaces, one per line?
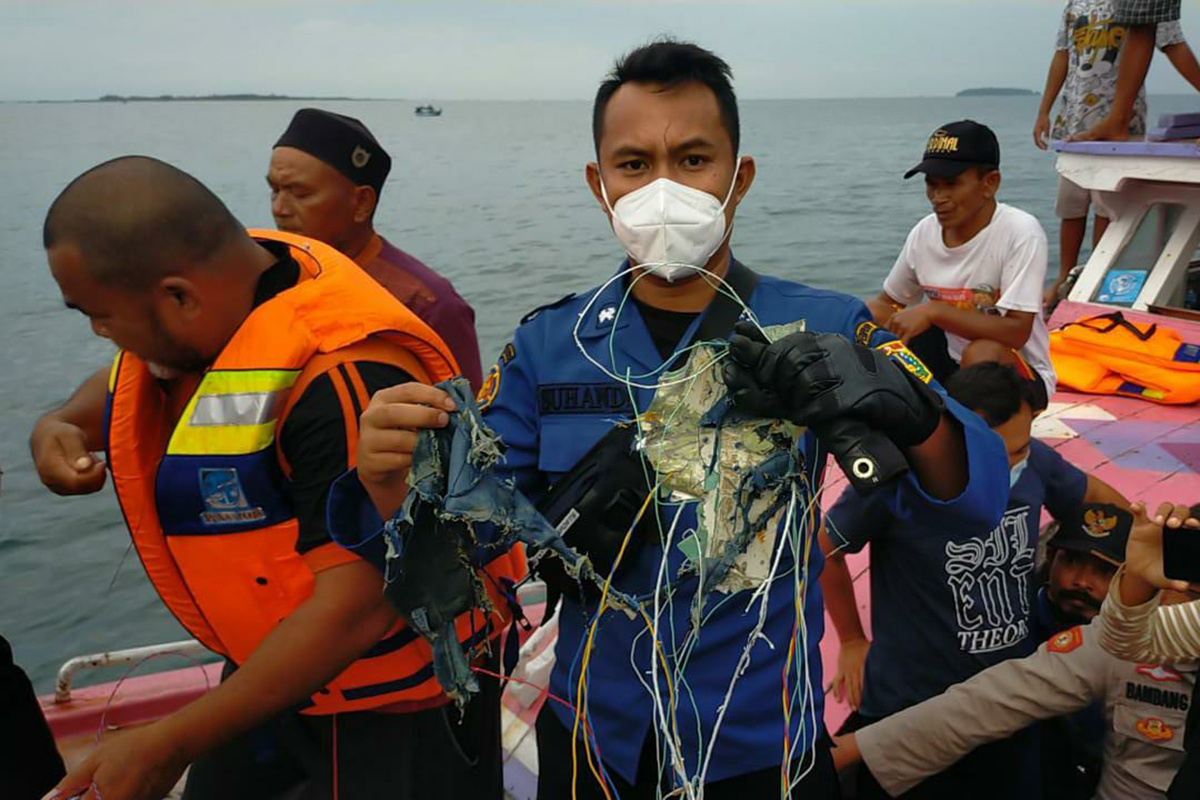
{"x":1066,"y":641}
{"x":508,"y":354}
{"x":897,"y":350}
{"x":491,"y":387}
{"x":540,"y":309}
{"x":863,"y":333}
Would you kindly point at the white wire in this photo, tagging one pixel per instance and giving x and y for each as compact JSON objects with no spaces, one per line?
{"x":725,"y":288}
{"x":755,"y":634}
{"x":794,"y":535}
{"x":671,"y":730}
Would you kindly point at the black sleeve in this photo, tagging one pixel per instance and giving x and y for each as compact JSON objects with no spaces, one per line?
{"x":315,"y":443}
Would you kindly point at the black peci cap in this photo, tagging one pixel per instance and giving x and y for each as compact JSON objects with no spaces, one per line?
{"x":956,"y":146}
{"x":342,"y":142}
{"x":1098,"y":529}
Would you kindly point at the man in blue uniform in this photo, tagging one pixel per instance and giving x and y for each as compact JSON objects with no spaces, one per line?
{"x":738,"y":702}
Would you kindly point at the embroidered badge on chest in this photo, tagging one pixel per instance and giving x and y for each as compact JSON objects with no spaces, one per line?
{"x":1155,"y":729}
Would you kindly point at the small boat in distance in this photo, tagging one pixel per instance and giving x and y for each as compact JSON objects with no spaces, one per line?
{"x":428,"y":111}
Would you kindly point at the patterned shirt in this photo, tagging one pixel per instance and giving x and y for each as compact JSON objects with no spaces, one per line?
{"x":1092,"y":38}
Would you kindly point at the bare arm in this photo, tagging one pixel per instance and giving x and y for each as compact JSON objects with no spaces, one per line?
{"x":63,"y":440}
{"x":882,"y":307}
{"x":837,"y":586}
{"x":1184,"y":61}
{"x":940,"y":462}
{"x":345,"y":616}
{"x":1011,"y":330}
{"x":1100,"y":492}
{"x":1055,"y":78}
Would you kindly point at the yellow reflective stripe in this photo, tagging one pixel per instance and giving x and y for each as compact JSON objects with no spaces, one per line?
{"x":260,"y":393}
{"x":112,"y":371}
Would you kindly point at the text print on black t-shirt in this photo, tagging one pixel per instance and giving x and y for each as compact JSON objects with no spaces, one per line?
{"x":989,"y":579}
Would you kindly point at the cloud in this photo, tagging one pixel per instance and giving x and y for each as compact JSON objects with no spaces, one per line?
{"x":548,"y":49}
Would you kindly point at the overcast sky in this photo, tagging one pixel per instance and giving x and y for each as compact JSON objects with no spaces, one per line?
{"x":556,"y":49}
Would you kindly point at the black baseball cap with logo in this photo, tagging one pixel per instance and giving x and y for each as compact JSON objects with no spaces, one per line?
{"x":954,"y":147}
{"x":1098,"y":529}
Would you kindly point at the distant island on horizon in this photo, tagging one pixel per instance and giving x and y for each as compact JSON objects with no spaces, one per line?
{"x":995,"y":91}
{"x":187,"y":98}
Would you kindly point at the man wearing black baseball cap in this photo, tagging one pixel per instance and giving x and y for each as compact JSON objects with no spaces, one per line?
{"x":955,"y":147}
{"x":326,"y":175}
{"x":980,"y":264}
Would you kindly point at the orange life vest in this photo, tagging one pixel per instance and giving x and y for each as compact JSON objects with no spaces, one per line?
{"x":1108,"y":354}
{"x":205,"y":497}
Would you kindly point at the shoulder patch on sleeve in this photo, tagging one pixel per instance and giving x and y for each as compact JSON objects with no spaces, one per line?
{"x":1066,"y":641}
{"x":540,"y":309}
{"x":491,"y":382}
{"x":863,"y":333}
{"x":489,"y":389}
{"x":906,"y":358}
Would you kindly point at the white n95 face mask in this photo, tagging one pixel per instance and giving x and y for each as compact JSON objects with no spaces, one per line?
{"x":670,"y":229}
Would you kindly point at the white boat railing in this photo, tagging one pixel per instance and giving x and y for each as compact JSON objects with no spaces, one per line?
{"x":133,"y":655}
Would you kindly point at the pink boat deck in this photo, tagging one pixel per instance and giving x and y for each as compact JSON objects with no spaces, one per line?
{"x":1146,"y":451}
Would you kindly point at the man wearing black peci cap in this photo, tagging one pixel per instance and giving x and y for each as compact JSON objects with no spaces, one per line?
{"x":979,"y":264}
{"x":326,"y":175}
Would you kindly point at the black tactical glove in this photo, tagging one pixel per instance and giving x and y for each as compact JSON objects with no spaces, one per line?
{"x":814,"y":379}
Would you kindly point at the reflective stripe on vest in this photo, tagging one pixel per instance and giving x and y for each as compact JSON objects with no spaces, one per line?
{"x":206,"y":498}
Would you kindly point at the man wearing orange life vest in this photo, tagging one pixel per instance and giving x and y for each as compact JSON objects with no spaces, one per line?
{"x":244,"y":362}
{"x":326,"y":175}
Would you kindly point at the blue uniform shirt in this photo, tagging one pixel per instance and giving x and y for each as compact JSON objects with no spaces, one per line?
{"x":550,"y":404}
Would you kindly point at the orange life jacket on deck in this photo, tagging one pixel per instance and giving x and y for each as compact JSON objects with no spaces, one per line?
{"x":205,"y":497}
{"x":1108,"y":354}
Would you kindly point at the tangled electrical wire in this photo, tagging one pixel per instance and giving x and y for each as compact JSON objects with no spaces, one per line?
{"x":754,"y":494}
{"x":781,"y":483}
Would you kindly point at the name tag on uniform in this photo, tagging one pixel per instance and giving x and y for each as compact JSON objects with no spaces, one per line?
{"x":583,"y":398}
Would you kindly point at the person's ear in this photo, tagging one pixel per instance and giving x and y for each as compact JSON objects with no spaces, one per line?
{"x":365,"y":200}
{"x":991,"y":184}
{"x":591,"y":174}
{"x":178,"y":298}
{"x":745,"y":177}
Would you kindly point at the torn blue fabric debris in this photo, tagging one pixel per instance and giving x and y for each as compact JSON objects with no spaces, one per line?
{"x":457,"y":516}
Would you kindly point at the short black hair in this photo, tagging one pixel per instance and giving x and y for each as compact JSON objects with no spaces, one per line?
{"x":671,"y":62}
{"x":135,"y":219}
{"x":992,"y":390}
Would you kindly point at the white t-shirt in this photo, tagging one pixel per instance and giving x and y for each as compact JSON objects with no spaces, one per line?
{"x":1003,"y":268}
